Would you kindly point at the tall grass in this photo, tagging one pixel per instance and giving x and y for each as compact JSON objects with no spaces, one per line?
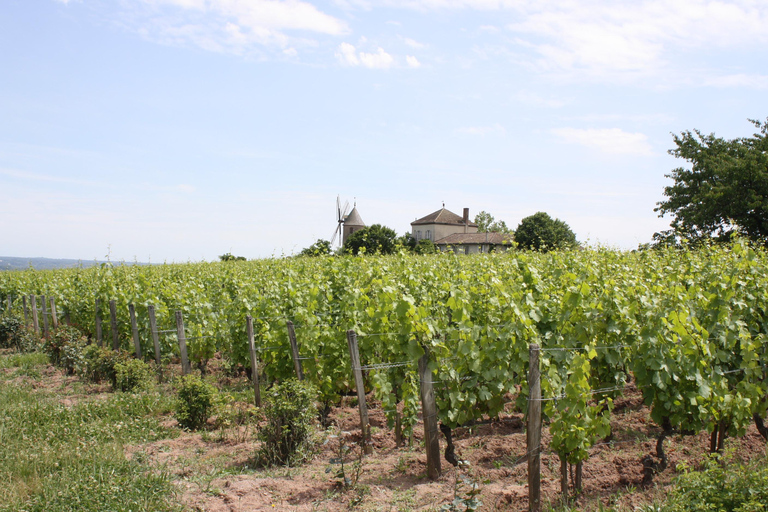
{"x":55,"y":457}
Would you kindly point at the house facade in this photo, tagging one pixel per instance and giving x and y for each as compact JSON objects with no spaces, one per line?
{"x":451,"y":232}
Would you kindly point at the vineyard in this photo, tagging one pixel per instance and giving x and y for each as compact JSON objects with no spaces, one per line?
{"x":687,"y":328}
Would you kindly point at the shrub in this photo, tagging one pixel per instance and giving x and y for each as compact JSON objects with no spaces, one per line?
{"x":195,"y":402}
{"x":133,"y":375}
{"x":10,"y":327}
{"x":65,"y":348}
{"x":99,"y":364}
{"x":721,"y":487}
{"x":14,"y":334}
{"x":286,"y":435}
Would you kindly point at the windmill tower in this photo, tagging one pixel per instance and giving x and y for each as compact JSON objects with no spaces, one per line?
{"x":347,"y":223}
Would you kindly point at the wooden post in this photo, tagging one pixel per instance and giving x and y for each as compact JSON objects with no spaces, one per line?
{"x":429,"y":414}
{"x":365,"y":425}
{"x":54,"y":316}
{"x":113,"y":325}
{"x":564,"y":478}
{"x":254,"y":361}
{"x":46,"y":330}
{"x":155,"y":340}
{"x":35,"y":322}
{"x":99,"y":339}
{"x":10,"y":303}
{"x":185,"y":366}
{"x":295,"y":351}
{"x":26,"y":310}
{"x":67,"y":320}
{"x":135,"y":330}
{"x":533,"y":432}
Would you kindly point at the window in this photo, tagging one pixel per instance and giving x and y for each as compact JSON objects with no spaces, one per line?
{"x":418,"y":235}
{"x":429,"y":234}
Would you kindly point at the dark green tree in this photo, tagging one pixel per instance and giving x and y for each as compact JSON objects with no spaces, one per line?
{"x":319,"y":248}
{"x":425,"y":247}
{"x":541,"y":232}
{"x":487,"y":224}
{"x":231,"y":257}
{"x":724,"y":191}
{"x":375,"y":239}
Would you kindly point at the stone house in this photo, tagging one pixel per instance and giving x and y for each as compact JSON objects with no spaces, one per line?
{"x":451,"y":232}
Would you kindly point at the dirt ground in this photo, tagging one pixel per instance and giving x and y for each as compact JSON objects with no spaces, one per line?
{"x":214,"y":469}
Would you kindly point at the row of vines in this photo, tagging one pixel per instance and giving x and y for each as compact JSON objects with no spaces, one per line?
{"x":687,"y":327}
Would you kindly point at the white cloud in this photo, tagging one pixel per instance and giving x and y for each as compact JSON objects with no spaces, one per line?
{"x":237,"y":25}
{"x":348,"y":55}
{"x":536,"y":100}
{"x":611,"y":140}
{"x":412,"y":61}
{"x":413,"y":44}
{"x":739,"y":80}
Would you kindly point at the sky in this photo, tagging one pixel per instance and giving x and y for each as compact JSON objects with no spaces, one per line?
{"x":180,"y":130}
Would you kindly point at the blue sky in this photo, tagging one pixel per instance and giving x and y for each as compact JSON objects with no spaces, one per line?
{"x":179,"y":130}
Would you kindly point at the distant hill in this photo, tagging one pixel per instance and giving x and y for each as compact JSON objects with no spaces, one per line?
{"x":14,"y":263}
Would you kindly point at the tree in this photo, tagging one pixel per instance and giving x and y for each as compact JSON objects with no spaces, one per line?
{"x":319,"y":248}
{"x":541,"y":232}
{"x":724,"y":191}
{"x":487,"y":224}
{"x":375,"y":239}
{"x":425,"y":246}
{"x":230,"y":257}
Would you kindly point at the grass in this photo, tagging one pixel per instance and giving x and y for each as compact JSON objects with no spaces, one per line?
{"x":60,"y":458}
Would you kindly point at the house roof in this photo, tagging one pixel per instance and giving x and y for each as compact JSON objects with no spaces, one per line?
{"x":353,"y":219}
{"x":442,"y":216}
{"x":475,"y":238}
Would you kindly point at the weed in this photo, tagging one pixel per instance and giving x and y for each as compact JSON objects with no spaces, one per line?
{"x":465,"y":491}
{"x":195,"y":402}
{"x":286,"y":435}
{"x":346,"y":472}
{"x":133,"y":375}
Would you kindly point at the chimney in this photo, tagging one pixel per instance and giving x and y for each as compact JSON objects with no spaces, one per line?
{"x":466,"y":219}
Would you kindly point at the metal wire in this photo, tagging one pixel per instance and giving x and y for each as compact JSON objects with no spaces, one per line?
{"x":384,"y":366}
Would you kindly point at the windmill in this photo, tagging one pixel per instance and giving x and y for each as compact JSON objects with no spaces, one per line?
{"x":340,"y":216}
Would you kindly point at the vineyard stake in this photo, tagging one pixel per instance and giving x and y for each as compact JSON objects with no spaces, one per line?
{"x":155,"y":341}
{"x":185,"y":367}
{"x":54,"y":317}
{"x":99,"y":339}
{"x":135,"y":330}
{"x":35,"y":323}
{"x":295,"y":350}
{"x":533,"y":433}
{"x":26,"y":310}
{"x":365,"y":426}
{"x":113,"y":325}
{"x":46,"y":330}
{"x":254,"y":361}
{"x":429,"y":413}
{"x":10,"y":301}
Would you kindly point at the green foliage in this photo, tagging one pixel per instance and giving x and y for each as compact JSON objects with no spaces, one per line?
{"x":286,"y":434}
{"x":13,"y":334}
{"x":724,"y":191}
{"x":10,"y":328}
{"x":99,"y":364}
{"x":425,"y":246}
{"x":344,"y":467}
{"x":133,"y":375}
{"x":65,"y":348}
{"x":375,"y":239}
{"x":195,"y":402}
{"x":319,"y":248}
{"x":540,"y":232}
{"x":466,"y":491}
{"x":722,"y":486}
{"x":230,"y":257}
{"x":487,"y":224}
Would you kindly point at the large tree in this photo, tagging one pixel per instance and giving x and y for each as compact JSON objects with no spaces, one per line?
{"x":724,"y":190}
{"x":372,"y":240}
{"x":487,"y":224}
{"x":541,"y":232}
